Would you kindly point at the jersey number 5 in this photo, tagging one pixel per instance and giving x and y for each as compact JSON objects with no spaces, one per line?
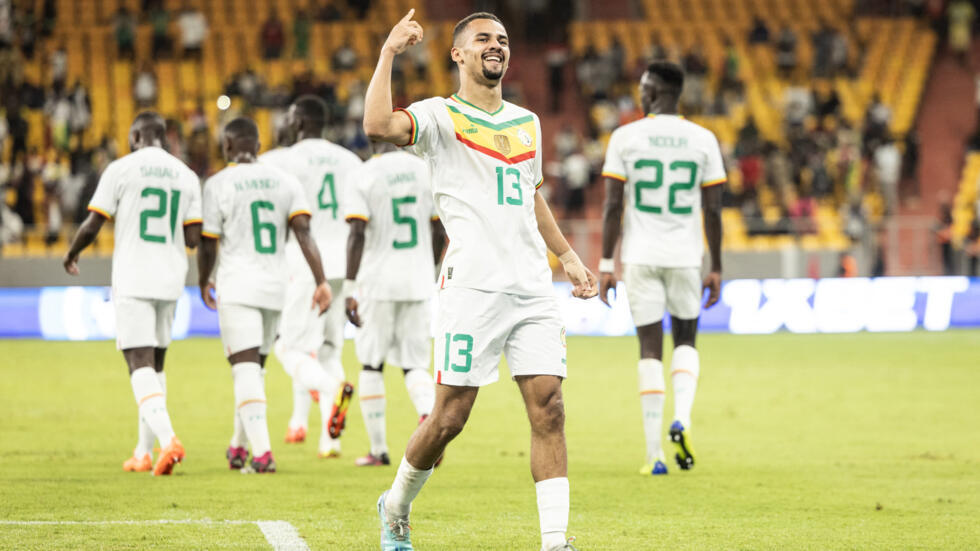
{"x":413,"y":239}
{"x":674,"y":188}
{"x":159,"y":212}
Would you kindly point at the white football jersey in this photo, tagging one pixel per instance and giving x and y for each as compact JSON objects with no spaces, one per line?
{"x":276,"y":157}
{"x":325,"y":170}
{"x":665,"y":161}
{"x":392,"y":194}
{"x":485,"y":169}
{"x":248,"y":207}
{"x":151,"y":195}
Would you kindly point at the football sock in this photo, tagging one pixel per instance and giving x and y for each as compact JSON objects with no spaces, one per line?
{"x":238,"y":439}
{"x":406,"y":486}
{"x":553,"y":511}
{"x":250,"y":402}
{"x":302,"y":402}
{"x":372,"y":396}
{"x":684,"y":372}
{"x":152,"y":405}
{"x":421,"y":389}
{"x":652,"y":404}
{"x":145,"y":443}
{"x":162,"y":378}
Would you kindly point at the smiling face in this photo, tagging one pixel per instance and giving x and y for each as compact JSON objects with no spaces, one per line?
{"x":482,"y":51}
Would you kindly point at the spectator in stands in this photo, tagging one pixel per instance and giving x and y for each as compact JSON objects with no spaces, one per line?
{"x":124,"y":29}
{"x":797,"y":104}
{"x":695,"y":78}
{"x":199,"y":152}
{"x":910,"y":164}
{"x":328,"y":12}
{"x":823,"y":45}
{"x":145,"y":86}
{"x":556,"y":58}
{"x":58,"y":62}
{"x":576,"y":176}
{"x":971,"y":248}
{"x":826,"y":101}
{"x":359,"y":7}
{"x":943,"y":232}
{"x":838,"y":52}
{"x":301,"y":35}
{"x":17,"y":128}
{"x":876,"y":120}
{"x":53,"y":175}
{"x":345,"y":59}
{"x":159,"y":22}
{"x":193,"y":31}
{"x":272,"y":36}
{"x":81,"y":109}
{"x":759,"y":34}
{"x":961,"y":14}
{"x":786,"y":52}
{"x":58,"y":112}
{"x":49,"y":14}
{"x":730,"y":85}
{"x":887,"y":163}
{"x":800,"y":210}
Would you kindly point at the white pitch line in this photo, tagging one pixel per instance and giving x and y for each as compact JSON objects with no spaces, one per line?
{"x":281,"y":535}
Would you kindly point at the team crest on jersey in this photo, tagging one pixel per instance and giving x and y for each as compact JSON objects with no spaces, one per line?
{"x":502,"y":143}
{"x":524,"y":137}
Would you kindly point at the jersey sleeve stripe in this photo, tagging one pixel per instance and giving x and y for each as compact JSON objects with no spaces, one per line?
{"x":192,"y":221}
{"x":435,"y":217}
{"x":99,"y":211}
{"x":356,"y":217}
{"x":299,"y":212}
{"x":614,"y":176}
{"x":211,"y":235}
{"x":539,"y":184}
{"x":415,"y":126}
{"x":714,"y":182}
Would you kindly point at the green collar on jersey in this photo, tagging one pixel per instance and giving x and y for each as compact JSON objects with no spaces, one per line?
{"x":463,"y":101}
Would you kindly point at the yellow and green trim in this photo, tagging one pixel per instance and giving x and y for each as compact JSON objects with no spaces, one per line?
{"x":493,"y":126}
{"x":464,"y":102}
{"x":299,"y":212}
{"x":415,"y":126}
{"x":101,"y":212}
{"x":210,"y":234}
{"x":356,"y":217}
{"x":714,"y":182}
{"x":192,"y":221}
{"x":614,"y":176}
{"x":539,"y":184}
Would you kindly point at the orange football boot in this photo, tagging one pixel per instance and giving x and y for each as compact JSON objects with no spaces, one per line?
{"x":138,"y":464}
{"x":295,"y":436}
{"x":338,"y":414}
{"x":170,"y":456}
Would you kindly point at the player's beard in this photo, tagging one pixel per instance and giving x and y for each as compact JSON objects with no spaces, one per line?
{"x":492,"y":75}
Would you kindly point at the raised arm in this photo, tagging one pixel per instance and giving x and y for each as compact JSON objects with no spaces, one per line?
{"x":612,"y":226}
{"x":582,"y":279}
{"x":85,"y":236}
{"x":711,"y":205}
{"x":380,"y":121}
{"x":300,"y":226}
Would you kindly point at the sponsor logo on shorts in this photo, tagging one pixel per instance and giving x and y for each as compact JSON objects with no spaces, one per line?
{"x":449,"y":272}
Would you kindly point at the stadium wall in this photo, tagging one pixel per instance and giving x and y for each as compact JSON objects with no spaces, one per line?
{"x":747,"y":306}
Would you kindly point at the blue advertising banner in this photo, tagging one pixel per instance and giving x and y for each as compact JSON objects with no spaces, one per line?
{"x":747,"y":306}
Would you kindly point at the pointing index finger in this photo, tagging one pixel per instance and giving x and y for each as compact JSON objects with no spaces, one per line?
{"x":408,"y":16}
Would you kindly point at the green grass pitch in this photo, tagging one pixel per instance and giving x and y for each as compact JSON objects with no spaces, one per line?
{"x":864,"y":441}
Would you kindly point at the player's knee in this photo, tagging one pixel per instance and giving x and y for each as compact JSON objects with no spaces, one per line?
{"x":551,"y":415}
{"x":448,"y":425}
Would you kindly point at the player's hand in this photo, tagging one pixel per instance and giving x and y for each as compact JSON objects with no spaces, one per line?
{"x":70,"y":262}
{"x":207,"y":295}
{"x":583,"y":280}
{"x":713,"y":283}
{"x":405,"y":33}
{"x":350,"y":307}
{"x":322,"y":297}
{"x":607,"y":282}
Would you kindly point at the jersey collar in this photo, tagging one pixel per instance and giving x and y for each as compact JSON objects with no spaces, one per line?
{"x":458,"y":99}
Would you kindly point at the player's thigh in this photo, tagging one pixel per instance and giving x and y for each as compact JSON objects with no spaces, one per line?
{"x":412,"y":340}
{"x":645,"y":293}
{"x":373,"y":338}
{"x":164,"y":321}
{"x":242,"y":327}
{"x":300,"y":326}
{"x":270,"y":326}
{"x":536,"y":345}
{"x":471,"y":330}
{"x":683,"y":289}
{"x":334,"y":320}
{"x":136,"y":322}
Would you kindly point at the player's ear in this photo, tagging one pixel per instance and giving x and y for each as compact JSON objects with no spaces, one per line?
{"x":456,"y":54}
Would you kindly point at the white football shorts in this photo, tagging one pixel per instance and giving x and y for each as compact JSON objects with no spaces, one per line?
{"x":142,"y":322}
{"x":394,"y":332}
{"x":650,"y":290}
{"x":474,"y":328}
{"x":244,"y":327}
{"x":302,"y":328}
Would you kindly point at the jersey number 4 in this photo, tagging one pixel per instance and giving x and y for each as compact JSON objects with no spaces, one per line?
{"x":159,"y":212}
{"x":656,"y":183}
{"x":327,"y":198}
